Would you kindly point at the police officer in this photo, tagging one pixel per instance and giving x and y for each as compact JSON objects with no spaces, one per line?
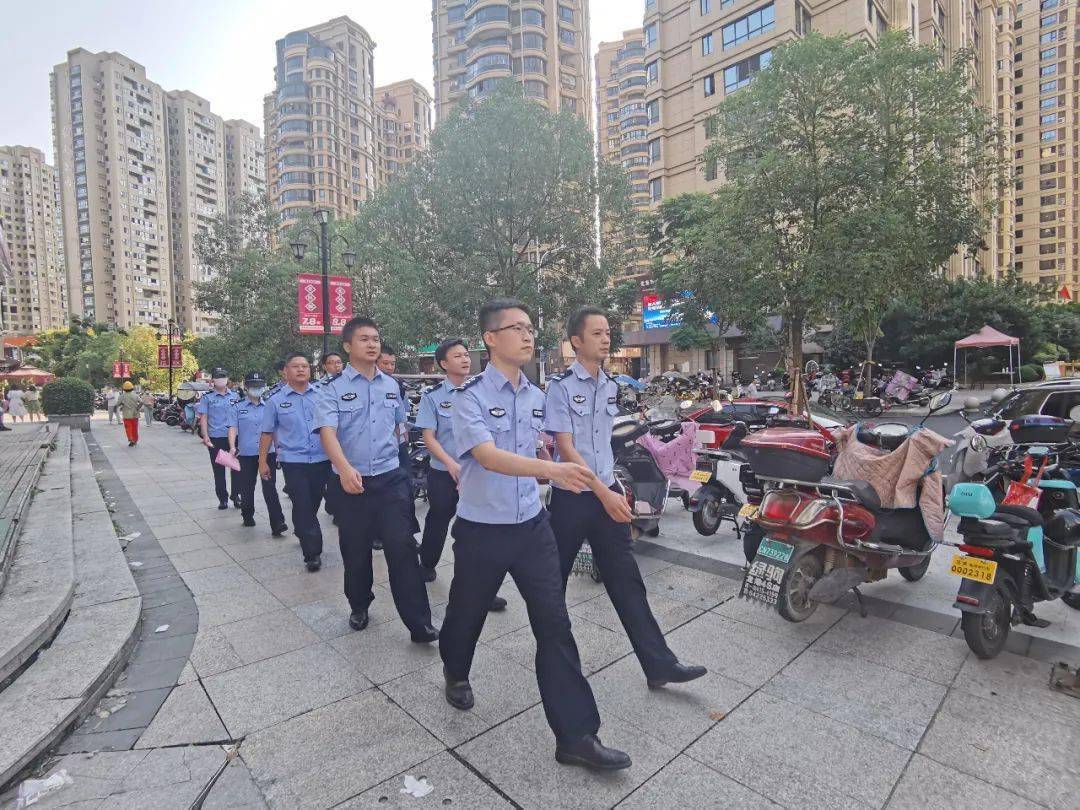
{"x":580,"y":409}
{"x":279,"y":367}
{"x":245,"y":433}
{"x":434,"y":418}
{"x":215,"y":412}
{"x":332,"y":363}
{"x":359,"y":413}
{"x":288,"y":423}
{"x":502,"y":528}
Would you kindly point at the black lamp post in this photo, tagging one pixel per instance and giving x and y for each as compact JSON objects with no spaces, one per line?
{"x":299,"y":248}
{"x":170,"y":330}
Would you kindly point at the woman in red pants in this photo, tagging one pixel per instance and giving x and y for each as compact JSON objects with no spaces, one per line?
{"x":129,"y":407}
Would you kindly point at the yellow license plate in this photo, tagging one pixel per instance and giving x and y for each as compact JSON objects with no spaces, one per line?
{"x":749,"y":511}
{"x":701,"y":476}
{"x":974,"y":569}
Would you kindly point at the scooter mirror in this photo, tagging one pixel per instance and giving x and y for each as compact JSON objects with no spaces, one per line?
{"x":940,"y":401}
{"x":1074,"y":414}
{"x":977,"y":444}
{"x":717,"y":406}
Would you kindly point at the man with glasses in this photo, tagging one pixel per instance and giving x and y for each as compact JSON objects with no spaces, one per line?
{"x":502,"y":528}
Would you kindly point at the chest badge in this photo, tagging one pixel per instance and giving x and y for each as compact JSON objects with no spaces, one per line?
{"x":284,"y":404}
{"x":497,"y":412}
{"x":579,"y":399}
{"x":538,"y":413}
{"x":243,"y":411}
{"x":391,"y":396}
{"x":349,"y":397}
{"x":446,"y":405}
{"x":611,"y":400}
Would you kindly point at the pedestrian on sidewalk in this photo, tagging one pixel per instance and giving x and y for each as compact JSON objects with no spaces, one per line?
{"x":3,"y":409}
{"x":245,"y":433}
{"x":580,"y":409}
{"x":128,"y":405}
{"x":214,"y":411}
{"x":502,"y":528}
{"x":289,"y":424}
{"x":32,"y":399}
{"x":112,"y":397}
{"x":435,"y":419}
{"x":16,"y":407}
{"x":148,"y":401}
{"x":359,"y":414}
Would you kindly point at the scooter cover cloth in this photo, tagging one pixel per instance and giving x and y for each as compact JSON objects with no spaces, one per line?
{"x":896,"y":476}
{"x":675,"y":458}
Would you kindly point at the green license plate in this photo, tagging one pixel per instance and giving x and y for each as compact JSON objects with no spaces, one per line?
{"x":775,"y":550}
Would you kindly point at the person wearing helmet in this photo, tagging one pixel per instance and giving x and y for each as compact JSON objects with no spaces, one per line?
{"x":129,"y":407}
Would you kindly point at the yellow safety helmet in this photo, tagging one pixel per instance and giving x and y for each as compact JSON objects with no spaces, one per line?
{"x":128,"y":386}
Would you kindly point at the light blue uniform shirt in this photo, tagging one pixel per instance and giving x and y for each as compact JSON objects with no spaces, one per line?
{"x":218,"y":410}
{"x":247,"y":417}
{"x":586,"y":407}
{"x":436,"y":412}
{"x":365,"y":414}
{"x":488,"y":409}
{"x":290,"y":416}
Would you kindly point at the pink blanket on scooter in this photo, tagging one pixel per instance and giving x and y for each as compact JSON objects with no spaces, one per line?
{"x":896,"y":475}
{"x":675,"y":458}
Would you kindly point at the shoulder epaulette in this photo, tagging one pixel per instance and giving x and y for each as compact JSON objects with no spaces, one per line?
{"x":469,"y":383}
{"x":330,"y":379}
{"x":562,"y":375}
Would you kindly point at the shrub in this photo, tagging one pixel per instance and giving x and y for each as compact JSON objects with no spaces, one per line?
{"x":67,"y":395}
{"x":1030,"y":372}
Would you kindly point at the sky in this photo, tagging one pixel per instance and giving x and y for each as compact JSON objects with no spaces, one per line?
{"x":222,"y":50}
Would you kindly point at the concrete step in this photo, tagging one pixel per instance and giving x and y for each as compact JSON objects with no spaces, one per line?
{"x":22,"y":457}
{"x":72,"y":673}
{"x":41,"y":581}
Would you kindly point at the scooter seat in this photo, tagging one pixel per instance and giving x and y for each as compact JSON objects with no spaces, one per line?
{"x":864,"y":493}
{"x":991,"y":527}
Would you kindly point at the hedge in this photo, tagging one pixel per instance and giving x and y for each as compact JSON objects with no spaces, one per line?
{"x":67,"y":395}
{"x":1030,"y":372}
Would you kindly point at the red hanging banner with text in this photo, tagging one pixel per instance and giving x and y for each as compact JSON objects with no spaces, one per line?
{"x":309,"y":304}
{"x":340,"y":303}
{"x":121,"y":369}
{"x":163,"y":357}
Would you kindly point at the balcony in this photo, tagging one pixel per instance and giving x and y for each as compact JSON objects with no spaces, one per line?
{"x":292,"y":90}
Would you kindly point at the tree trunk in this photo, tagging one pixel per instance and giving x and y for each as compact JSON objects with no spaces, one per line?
{"x":868,"y":383}
{"x":795,"y":333}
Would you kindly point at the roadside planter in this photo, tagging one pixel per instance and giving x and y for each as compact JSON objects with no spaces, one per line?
{"x":68,"y":401}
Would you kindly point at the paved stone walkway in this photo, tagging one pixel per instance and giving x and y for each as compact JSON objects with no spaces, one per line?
{"x":837,"y":712}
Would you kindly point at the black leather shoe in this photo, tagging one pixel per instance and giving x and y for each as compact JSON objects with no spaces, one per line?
{"x":313,"y":564}
{"x":358,"y":620}
{"x":458,"y":693}
{"x":249,"y":521}
{"x":223,"y":505}
{"x":498,"y":605}
{"x":589,"y":752}
{"x":237,"y":502}
{"x":425,"y":635}
{"x":278,"y":531}
{"x":427,"y":573}
{"x":680,"y":674}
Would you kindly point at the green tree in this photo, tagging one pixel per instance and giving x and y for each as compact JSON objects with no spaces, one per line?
{"x":140,"y":347}
{"x":502,"y":204}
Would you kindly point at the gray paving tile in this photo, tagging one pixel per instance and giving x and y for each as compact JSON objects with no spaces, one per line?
{"x":801,"y":759}
{"x":223,"y":607}
{"x":669,"y":613}
{"x":1036,"y":760}
{"x":212,"y":654}
{"x":132,"y":711}
{"x":328,"y":618}
{"x":168,"y":777}
{"x":685,"y":782}
{"x":185,"y":718}
{"x":519,"y":757}
{"x":154,"y":648}
{"x":235,"y":789}
{"x":892,"y":645}
{"x":767,"y":618}
{"x":891,"y":705}
{"x":455,"y":785}
{"x":257,"y":546}
{"x":200,"y":558}
{"x":269,"y":692}
{"x":384,"y":652}
{"x":336,"y":752}
{"x":597,"y":646}
{"x":105,"y":741}
{"x":170,"y":596}
{"x":177,"y":529}
{"x":302,"y":588}
{"x":219,"y":578}
{"x":695,"y":588}
{"x":267,"y":635}
{"x":1012,"y":684}
{"x":186,"y":543}
{"x":138,"y":676}
{"x":927,"y":784}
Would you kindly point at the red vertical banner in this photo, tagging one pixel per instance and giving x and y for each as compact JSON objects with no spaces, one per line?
{"x":309,"y":304}
{"x":340,"y":303}
{"x":177,"y":359}
{"x":162,"y":356}
{"x":117,"y":369}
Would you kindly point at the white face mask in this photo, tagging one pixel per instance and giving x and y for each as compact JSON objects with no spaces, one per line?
{"x":256,"y":393}
{"x":220,"y":382}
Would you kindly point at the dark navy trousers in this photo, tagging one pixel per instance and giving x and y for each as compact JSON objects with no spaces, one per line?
{"x":306,"y":483}
{"x":442,"y":504}
{"x":249,"y":473}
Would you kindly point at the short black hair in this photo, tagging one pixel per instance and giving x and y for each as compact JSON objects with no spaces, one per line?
{"x":445,"y":347}
{"x":386,"y":348}
{"x":575,"y":325}
{"x":292,"y":356}
{"x":354,"y":324}
{"x":488,"y":311}
{"x":279,"y":366}
{"x":328,"y":355}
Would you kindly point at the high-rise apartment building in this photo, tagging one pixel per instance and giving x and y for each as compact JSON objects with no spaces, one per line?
{"x":245,"y":161}
{"x":403,"y":123}
{"x":198,"y":194}
{"x":109,"y":132}
{"x":320,"y":121}
{"x":544,"y":44}
{"x":34,"y":298}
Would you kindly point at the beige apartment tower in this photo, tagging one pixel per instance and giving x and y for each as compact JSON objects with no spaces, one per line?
{"x":403,"y":116}
{"x":320,"y":121}
{"x":34,"y":298}
{"x":109,"y":132}
{"x":544,"y":44}
{"x":245,"y":161}
{"x":198,"y":195}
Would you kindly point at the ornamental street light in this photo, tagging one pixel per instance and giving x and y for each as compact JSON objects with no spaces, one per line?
{"x":172,"y":329}
{"x":299,"y":248}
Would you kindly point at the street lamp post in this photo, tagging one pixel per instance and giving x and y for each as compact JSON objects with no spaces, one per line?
{"x":299,"y":248}
{"x":171,"y":329}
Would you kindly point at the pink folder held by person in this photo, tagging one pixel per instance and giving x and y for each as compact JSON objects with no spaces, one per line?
{"x":226,"y":459}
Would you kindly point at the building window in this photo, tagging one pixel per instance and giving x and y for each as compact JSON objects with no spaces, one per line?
{"x":710,"y":127}
{"x":709,"y":84}
{"x":754,"y":24}
{"x":739,"y":74}
{"x":566,"y":14}
{"x":706,"y":45}
{"x":654,"y":150}
{"x":710,"y":169}
{"x":650,"y":35}
{"x":1050,"y":135}
{"x":652,"y":111}
{"x":652,"y":72}
{"x":1048,"y":53}
{"x":802,"y":20}
{"x":656,"y":190}
{"x":705,"y":6}
{"x":1049,"y":87}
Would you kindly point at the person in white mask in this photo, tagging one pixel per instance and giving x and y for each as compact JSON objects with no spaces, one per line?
{"x":245,"y":433}
{"x":215,"y":413}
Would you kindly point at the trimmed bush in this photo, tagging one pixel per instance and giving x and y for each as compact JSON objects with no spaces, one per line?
{"x":67,"y":395}
{"x":1030,"y":373}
